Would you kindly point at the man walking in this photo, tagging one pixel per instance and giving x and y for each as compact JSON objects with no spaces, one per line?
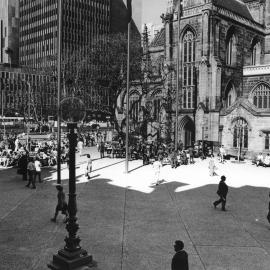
{"x":222,"y":193}
{"x":38,"y":170}
{"x":180,"y":258}
{"x":31,"y":173}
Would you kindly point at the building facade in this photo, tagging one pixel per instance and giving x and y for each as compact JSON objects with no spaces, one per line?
{"x":224,"y":73}
{"x":9,"y":32}
{"x":24,"y":90}
{"x":82,"y":22}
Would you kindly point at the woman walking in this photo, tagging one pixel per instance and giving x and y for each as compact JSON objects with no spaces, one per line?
{"x":89,"y":166}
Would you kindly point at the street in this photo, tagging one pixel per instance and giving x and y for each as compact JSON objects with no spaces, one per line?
{"x":127,"y":223}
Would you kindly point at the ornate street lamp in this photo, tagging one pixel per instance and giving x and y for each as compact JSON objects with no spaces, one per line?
{"x":72,"y":256}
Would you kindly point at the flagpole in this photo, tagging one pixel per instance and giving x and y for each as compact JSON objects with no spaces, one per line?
{"x":129,"y":9}
{"x":59,"y":92}
{"x":127,"y":102}
{"x":177,"y":76}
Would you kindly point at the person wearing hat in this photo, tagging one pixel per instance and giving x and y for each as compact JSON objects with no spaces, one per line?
{"x":61,"y":204}
{"x":180,"y":258}
{"x":222,"y":193}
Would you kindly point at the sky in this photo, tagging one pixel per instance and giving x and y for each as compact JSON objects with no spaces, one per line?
{"x":152,"y":9}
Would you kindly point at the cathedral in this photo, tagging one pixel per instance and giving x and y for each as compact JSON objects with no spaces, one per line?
{"x":220,"y":52}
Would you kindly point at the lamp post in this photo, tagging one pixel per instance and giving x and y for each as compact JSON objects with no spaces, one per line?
{"x":72,"y":256}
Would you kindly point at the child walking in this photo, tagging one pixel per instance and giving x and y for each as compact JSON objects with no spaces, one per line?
{"x":157,"y":166}
{"x":89,"y":166}
{"x":61,"y":204}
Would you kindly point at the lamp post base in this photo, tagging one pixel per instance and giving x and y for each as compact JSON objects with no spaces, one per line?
{"x":78,"y":260}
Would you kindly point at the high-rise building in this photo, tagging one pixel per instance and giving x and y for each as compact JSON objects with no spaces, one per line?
{"x":82,"y":21}
{"x":9,"y":31}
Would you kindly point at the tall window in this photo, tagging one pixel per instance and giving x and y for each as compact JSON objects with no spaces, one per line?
{"x":134,"y":107}
{"x":261,"y":96}
{"x":231,"y":95}
{"x":256,"y":54}
{"x":189,"y":71}
{"x":231,"y":50}
{"x":266,"y":147}
{"x":240,"y":133}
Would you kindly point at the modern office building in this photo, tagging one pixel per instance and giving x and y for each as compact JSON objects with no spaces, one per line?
{"x":23,"y":89}
{"x":9,"y":32}
{"x":82,"y":22}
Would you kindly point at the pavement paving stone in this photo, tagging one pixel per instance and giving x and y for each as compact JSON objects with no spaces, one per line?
{"x":234,"y":258}
{"x":128,"y":223}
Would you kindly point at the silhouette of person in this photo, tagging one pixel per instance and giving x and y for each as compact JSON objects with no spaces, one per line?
{"x":222,"y":193}
{"x":268,"y":215}
{"x":180,"y":258}
{"x":61,"y":204}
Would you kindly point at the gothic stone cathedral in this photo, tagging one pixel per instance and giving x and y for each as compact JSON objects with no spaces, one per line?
{"x":224,"y":64}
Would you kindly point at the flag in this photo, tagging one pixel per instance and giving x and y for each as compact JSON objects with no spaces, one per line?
{"x":129,"y":8}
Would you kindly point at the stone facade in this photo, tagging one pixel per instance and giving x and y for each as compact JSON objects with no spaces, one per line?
{"x":230,"y":85}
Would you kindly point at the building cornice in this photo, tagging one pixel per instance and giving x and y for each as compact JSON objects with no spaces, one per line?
{"x":240,"y":19}
{"x":256,"y":70}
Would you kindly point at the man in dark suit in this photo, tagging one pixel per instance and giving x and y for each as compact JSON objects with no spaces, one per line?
{"x":180,"y":258}
{"x":222,"y":193}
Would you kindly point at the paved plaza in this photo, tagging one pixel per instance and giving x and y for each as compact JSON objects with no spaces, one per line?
{"x":127,"y":223}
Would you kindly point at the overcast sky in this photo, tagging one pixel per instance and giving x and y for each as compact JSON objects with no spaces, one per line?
{"x":152,"y":9}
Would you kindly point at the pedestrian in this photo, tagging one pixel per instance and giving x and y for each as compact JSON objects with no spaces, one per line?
{"x":38,"y":170}
{"x":31,"y":173}
{"x":102,"y":149}
{"x":268,"y":215}
{"x":89,"y":166}
{"x":180,"y":258}
{"x":61,"y":204}
{"x":222,"y":193}
{"x":22,"y":164}
{"x":80,"y":146}
{"x":191,"y":155}
{"x":212,"y":166}
{"x":157,"y":166}
{"x":222,"y":153}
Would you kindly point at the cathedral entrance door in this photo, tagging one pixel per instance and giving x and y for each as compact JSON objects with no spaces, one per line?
{"x":187,"y":131}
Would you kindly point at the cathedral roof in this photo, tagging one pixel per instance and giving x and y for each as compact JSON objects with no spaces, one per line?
{"x":159,"y":39}
{"x":236,"y":6}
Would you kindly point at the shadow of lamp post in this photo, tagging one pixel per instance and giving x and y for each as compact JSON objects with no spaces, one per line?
{"x":72,"y":257}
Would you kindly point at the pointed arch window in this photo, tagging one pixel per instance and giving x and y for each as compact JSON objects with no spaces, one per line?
{"x":134,"y":107}
{"x":256,"y":54}
{"x":189,"y":71}
{"x":240,"y":133}
{"x":261,"y":96}
{"x":231,"y":50}
{"x":231,"y":95}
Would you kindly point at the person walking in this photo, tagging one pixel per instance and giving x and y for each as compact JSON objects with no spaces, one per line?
{"x":38,"y":170}
{"x":89,"y":166}
{"x":22,"y":164}
{"x":31,"y":173}
{"x":212,"y":166}
{"x":180,"y":258}
{"x":222,"y":153}
{"x":268,"y":215}
{"x":222,"y":193}
{"x":80,"y":146}
{"x":61,"y":204}
{"x":102,"y":149}
{"x":157,"y":166}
